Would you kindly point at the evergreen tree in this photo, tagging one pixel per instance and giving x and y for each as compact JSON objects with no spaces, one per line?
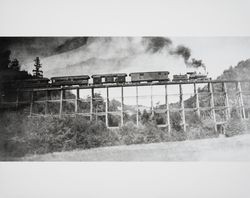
{"x":37,"y":72}
{"x":14,"y":65}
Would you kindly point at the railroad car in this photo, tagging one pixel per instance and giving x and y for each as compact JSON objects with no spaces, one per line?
{"x":149,"y":76}
{"x":109,"y":78}
{"x":195,"y":76}
{"x":70,"y":80}
{"x":35,"y":82}
{"x":28,"y":83}
{"x":180,"y":77}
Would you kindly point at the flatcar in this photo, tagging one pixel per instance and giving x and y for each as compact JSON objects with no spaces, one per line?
{"x":180,"y":77}
{"x":70,"y":80}
{"x":149,"y":76}
{"x":109,"y":78}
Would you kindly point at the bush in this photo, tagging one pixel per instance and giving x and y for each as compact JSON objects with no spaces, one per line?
{"x":36,"y":135}
{"x":154,"y":134}
{"x":235,"y":126}
{"x":247,"y":125}
{"x":179,"y":135}
{"x":148,"y":133}
{"x":21,"y":135}
{"x":10,"y":131}
{"x":145,"y":116}
{"x":129,"y":133}
{"x":93,"y":134}
{"x":67,"y":133}
{"x":200,"y":132}
{"x":50,"y":134}
{"x":175,"y":120}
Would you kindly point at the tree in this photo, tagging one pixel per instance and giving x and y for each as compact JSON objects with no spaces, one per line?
{"x":14,"y":65}
{"x":114,"y":104}
{"x":4,"y":60}
{"x":145,"y":116}
{"x":37,"y":72}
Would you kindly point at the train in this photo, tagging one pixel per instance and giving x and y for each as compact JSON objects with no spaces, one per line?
{"x":109,"y":78}
{"x":149,"y":76}
{"x":114,"y":78}
{"x":70,"y":80}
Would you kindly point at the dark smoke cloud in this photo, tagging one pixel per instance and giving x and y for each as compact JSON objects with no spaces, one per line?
{"x":196,"y":63}
{"x":59,"y":52}
{"x":24,"y":48}
{"x":182,"y":51}
{"x":71,"y":44}
{"x":41,"y":45}
{"x":185,"y":52}
{"x":156,"y":44}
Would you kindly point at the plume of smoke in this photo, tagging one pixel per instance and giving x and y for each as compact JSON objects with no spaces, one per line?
{"x":115,"y":54}
{"x":81,"y":55}
{"x":156,"y":44}
{"x":195,"y":63}
{"x":182,"y":51}
{"x":185,"y":53}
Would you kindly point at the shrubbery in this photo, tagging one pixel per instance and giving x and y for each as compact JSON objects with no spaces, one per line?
{"x":36,"y":135}
{"x":201,"y":128}
{"x":20,"y":135}
{"x":148,"y":133}
{"x":236,"y":126}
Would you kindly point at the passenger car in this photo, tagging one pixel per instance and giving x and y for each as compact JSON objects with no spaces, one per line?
{"x":149,"y":76}
{"x":70,"y":80}
{"x":109,"y":78}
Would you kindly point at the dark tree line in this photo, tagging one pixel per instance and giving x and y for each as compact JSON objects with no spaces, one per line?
{"x":11,"y":75}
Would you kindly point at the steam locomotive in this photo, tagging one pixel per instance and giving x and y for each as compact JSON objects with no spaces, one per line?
{"x":116,"y":78}
{"x":190,"y":76}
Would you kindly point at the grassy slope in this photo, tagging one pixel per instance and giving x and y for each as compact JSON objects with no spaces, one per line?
{"x":216,"y":149}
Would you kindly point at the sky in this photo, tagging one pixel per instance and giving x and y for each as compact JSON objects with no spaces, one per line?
{"x":120,"y":54}
{"x":131,"y":54}
{"x":218,"y":53}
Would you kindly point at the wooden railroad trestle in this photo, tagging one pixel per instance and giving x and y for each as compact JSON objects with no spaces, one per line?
{"x":196,"y":95}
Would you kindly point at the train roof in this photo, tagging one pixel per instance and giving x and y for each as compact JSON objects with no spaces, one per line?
{"x":67,"y":77}
{"x":107,"y":75}
{"x":150,"y":72}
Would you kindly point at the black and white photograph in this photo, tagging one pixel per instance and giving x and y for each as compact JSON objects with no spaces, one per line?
{"x":124,"y":98}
